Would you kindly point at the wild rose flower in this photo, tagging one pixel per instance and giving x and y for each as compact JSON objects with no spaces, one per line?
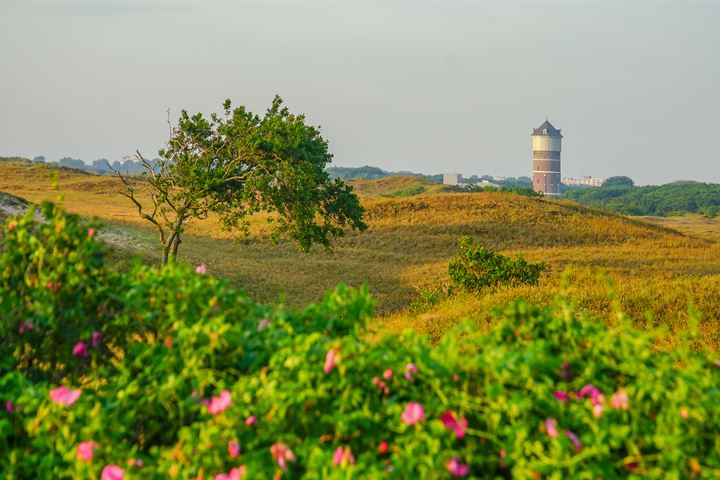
{"x":262,"y":324}
{"x":84,"y":451}
{"x":383,"y":447}
{"x":9,"y":406}
{"x":414,"y":413}
{"x":620,"y":400}
{"x":96,"y":338}
{"x":64,"y":396}
{"x":451,"y":422}
{"x":588,"y":390}
{"x":91,"y":232}
{"x":25,"y":327}
{"x":219,"y":404}
{"x":234,"y":449}
{"x":112,"y":472}
{"x":562,"y":396}
{"x":410,"y":369}
{"x":388,"y":374}
{"x":80,"y":350}
{"x":551,"y":427}
{"x":575,"y":440}
{"x":343,"y":456}
{"x":237,"y":473}
{"x":201,"y":269}
{"x":457,"y":468}
{"x":251,"y":420}
{"x":330,"y":360}
{"x":282,"y":454}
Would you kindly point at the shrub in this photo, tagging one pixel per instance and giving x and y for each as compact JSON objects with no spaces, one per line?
{"x":476,"y":268}
{"x":211,"y":381}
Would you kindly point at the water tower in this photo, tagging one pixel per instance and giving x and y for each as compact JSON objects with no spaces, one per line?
{"x":546,"y":159}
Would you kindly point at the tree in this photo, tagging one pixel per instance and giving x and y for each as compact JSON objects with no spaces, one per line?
{"x":238,"y":164}
{"x":39,"y":159}
{"x":620,"y":181}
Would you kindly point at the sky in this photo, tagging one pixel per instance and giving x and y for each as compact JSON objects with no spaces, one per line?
{"x":431,"y":87}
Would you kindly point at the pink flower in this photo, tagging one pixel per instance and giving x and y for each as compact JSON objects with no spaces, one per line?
{"x":451,"y":422}
{"x":282,"y":454}
{"x":414,"y":413}
{"x":588,"y":390}
{"x":12,"y":226}
{"x":551,"y":427}
{"x":219,"y":404}
{"x":112,"y":472}
{"x":598,"y":410}
{"x":9,"y":406}
{"x":343,"y":456}
{"x":251,"y":420}
{"x":201,"y":269}
{"x":262,"y":324}
{"x":91,"y":232}
{"x":410,"y":369}
{"x":562,"y":396}
{"x":63,"y":396}
{"x":575,"y":440}
{"x":25,"y":327}
{"x":234,"y":449}
{"x":330,"y":360}
{"x":684,"y":413}
{"x":80,"y":350}
{"x":456,"y":468}
{"x":96,"y":337}
{"x":383,"y":447}
{"x":620,"y":400}
{"x":84,"y":451}
{"x":234,"y":474}
{"x":387,"y":374}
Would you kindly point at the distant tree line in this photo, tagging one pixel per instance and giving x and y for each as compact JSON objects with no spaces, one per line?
{"x":372,"y":173}
{"x":101,"y":166}
{"x":619,"y":194}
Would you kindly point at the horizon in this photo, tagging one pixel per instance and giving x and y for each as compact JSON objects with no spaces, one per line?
{"x":428,"y":88}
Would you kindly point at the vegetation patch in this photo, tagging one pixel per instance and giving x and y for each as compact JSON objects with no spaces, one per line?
{"x":169,"y":372}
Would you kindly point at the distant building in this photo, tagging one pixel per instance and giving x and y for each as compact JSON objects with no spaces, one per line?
{"x":546,"y":141}
{"x":584,"y":180}
{"x":499,"y":178}
{"x":454,"y":179}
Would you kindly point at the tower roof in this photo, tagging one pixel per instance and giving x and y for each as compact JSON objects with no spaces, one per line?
{"x":546,"y":129}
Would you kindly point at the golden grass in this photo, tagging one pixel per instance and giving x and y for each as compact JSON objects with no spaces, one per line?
{"x":410,"y":240}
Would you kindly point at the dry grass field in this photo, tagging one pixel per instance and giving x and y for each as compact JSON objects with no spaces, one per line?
{"x":410,"y":240}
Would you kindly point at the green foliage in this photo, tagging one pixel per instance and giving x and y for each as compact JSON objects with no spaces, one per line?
{"x":507,"y":402}
{"x":407,"y":192}
{"x":476,"y":268}
{"x":711,"y":212}
{"x":236,"y":164}
{"x":664,"y":200}
{"x":620,"y":181}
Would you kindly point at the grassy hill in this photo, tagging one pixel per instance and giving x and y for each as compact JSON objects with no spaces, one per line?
{"x":410,"y":240}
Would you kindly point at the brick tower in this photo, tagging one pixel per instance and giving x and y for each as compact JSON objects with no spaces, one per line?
{"x":546,"y":159}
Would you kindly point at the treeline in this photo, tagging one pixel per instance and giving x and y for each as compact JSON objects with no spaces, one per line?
{"x":373,"y":173}
{"x":674,"y":198}
{"x":101,"y":166}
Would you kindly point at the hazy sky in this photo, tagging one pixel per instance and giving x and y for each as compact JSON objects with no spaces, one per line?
{"x":422,"y":86}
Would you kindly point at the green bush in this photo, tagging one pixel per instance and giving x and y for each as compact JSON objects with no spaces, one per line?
{"x":201,"y":382}
{"x":476,"y":268}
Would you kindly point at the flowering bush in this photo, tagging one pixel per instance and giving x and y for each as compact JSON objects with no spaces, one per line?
{"x":198,"y":381}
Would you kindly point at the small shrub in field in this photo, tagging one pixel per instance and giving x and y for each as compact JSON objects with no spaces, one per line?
{"x":202,"y":382}
{"x":476,"y":268}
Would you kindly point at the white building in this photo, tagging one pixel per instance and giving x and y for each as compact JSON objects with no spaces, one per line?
{"x":584,"y":180}
{"x":454,"y":179}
